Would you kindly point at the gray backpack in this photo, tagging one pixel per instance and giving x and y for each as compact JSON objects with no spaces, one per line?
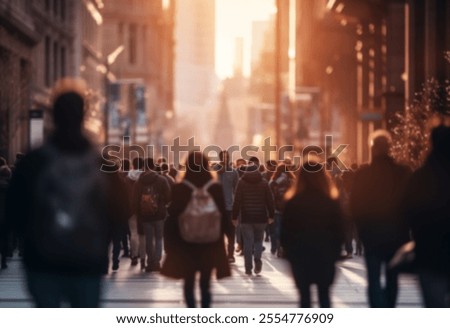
{"x":200,"y":222}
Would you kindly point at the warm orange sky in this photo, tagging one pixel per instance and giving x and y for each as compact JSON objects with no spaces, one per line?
{"x":234,"y":19}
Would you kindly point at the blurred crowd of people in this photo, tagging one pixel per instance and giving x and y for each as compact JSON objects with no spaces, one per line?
{"x":64,"y":216}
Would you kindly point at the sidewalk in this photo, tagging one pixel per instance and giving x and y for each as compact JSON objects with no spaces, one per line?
{"x":273,"y":288}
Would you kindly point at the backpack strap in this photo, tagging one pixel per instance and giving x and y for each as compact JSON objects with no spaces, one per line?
{"x":208,"y":184}
{"x":205,"y":187}
{"x":190,"y":185}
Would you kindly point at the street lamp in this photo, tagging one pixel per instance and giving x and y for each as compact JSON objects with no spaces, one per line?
{"x":110,"y":59}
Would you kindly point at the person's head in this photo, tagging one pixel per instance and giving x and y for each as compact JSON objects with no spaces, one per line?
{"x":313,"y":176}
{"x":138,"y":163}
{"x":253,"y":161}
{"x":68,"y":104}
{"x":19,"y":157}
{"x":224,"y":157}
{"x":173,"y":172}
{"x":271,"y":166}
{"x":283,"y":168}
{"x":380,"y":143}
{"x":164,"y":168}
{"x":440,"y":142}
{"x":197,"y":168}
{"x":240,"y":162}
{"x":5,"y":172}
{"x":149,"y":164}
{"x":161,"y":160}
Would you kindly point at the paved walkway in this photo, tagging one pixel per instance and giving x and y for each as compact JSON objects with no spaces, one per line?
{"x":273,"y":288}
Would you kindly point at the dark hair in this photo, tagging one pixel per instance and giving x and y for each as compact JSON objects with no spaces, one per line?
{"x":164,"y":167}
{"x":68,"y":111}
{"x":283,"y":168}
{"x":197,"y":169}
{"x":271,"y":164}
{"x":440,"y":139}
{"x":312,"y":176}
{"x":254,"y":160}
{"x":149,"y":164}
{"x":125,"y":165}
{"x":138,"y":163}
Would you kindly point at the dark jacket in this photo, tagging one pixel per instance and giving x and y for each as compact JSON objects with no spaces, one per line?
{"x":184,"y":258}
{"x":27,"y":206}
{"x":376,"y":205}
{"x":162,"y":189}
{"x":279,"y":187}
{"x":253,"y":199}
{"x":427,"y":210}
{"x":312,"y":235}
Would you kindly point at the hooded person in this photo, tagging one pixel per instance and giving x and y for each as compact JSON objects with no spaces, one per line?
{"x":254,"y":203}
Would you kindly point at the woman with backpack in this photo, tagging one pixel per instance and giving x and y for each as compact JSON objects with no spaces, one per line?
{"x":190,"y":246}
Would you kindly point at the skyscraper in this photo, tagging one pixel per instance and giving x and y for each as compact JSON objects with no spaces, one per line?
{"x":195,"y":52}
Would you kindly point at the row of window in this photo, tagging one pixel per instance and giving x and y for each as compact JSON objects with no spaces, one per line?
{"x":55,"y":58}
{"x":57,"y":8}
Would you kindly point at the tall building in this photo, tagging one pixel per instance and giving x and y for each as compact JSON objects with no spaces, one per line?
{"x":36,"y":49}
{"x":140,"y":91}
{"x":195,"y":52}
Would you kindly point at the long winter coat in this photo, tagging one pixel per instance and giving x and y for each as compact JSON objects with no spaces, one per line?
{"x":312,"y":235}
{"x":427,"y":209}
{"x":182,"y":257}
{"x":376,"y":206}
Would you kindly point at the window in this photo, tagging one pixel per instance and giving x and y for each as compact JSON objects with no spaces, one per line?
{"x":55,"y":62}
{"x":55,"y":7}
{"x":63,"y":61}
{"x":132,"y":44}
{"x":63,"y":9}
{"x":47,"y":60}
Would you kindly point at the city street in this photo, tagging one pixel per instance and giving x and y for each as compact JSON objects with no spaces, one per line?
{"x":273,"y":288}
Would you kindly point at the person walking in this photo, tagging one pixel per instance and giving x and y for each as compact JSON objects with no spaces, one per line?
{"x":5,"y":176}
{"x":312,"y":233}
{"x":376,"y":208}
{"x":137,"y":236}
{"x":151,"y":196}
{"x":185,"y":258}
{"x":65,"y":209}
{"x":280,"y":183}
{"x":427,"y":210}
{"x":229,"y":178}
{"x":254,"y":203}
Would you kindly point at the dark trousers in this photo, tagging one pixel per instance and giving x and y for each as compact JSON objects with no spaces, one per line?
{"x":231,"y":235}
{"x":381,"y":296}
{"x":305,"y":295}
{"x":189,"y":285}
{"x":435,"y":288}
{"x":49,"y":290}
{"x":275,"y":229}
{"x":116,"y":246}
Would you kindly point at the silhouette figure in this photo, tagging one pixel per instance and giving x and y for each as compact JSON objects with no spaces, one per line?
{"x":64,"y":208}
{"x":427,"y":208}
{"x":376,"y":208}
{"x":312,"y":233}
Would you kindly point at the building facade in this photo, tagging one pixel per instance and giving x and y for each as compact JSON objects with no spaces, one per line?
{"x":141,"y":89}
{"x":35,"y":50}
